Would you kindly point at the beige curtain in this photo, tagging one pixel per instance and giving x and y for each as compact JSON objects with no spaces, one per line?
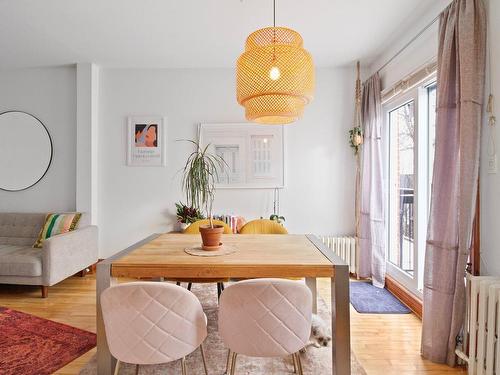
{"x":372,"y":225}
{"x":461,"y":69}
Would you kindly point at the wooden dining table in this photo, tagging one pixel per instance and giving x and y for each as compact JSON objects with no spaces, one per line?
{"x":256,"y":256}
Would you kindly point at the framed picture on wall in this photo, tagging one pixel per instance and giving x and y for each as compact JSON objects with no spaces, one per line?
{"x":254,"y":154}
{"x":146,"y":141}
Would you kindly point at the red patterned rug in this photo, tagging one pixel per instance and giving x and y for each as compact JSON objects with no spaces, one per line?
{"x":30,"y":345}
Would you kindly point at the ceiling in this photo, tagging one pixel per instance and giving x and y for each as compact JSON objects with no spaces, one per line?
{"x":192,"y":33}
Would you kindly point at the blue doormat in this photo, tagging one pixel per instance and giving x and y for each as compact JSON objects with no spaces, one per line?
{"x":368,"y":299}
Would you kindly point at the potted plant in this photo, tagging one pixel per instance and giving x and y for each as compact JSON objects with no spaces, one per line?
{"x":187,"y":215}
{"x":278,"y":219}
{"x":200,"y":175}
{"x":356,"y":138}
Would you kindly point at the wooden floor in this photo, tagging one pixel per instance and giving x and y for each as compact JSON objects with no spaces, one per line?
{"x":383,"y":344}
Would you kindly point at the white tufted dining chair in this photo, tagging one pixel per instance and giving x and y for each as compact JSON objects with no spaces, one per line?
{"x":265,"y":318}
{"x":150,"y":323}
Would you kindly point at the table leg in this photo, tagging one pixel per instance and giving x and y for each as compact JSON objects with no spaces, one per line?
{"x":105,"y":361}
{"x":341,"y":337}
{"x":311,"y":283}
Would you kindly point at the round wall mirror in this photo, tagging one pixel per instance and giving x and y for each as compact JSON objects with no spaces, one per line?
{"x":25,"y":150}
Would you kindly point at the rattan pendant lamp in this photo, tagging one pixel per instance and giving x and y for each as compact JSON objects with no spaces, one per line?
{"x":274,"y":76}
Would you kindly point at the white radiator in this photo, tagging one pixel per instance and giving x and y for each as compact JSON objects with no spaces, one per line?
{"x":345,"y":248}
{"x":482,"y":325}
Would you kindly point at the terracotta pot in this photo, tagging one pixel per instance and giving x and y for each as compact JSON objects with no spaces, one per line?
{"x":211,"y":237}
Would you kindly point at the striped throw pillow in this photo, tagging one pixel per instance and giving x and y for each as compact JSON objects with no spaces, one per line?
{"x":57,"y":224}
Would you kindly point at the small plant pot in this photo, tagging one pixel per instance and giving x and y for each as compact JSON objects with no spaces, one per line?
{"x":184,"y":226}
{"x":211,"y":237}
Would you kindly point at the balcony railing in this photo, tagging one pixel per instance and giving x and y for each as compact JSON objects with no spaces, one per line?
{"x":406,"y":229}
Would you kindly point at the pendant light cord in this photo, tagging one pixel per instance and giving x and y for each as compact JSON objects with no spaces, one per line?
{"x":274,"y":13}
{"x":274,"y":30}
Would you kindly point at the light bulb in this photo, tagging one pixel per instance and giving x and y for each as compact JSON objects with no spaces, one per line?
{"x":274,"y":73}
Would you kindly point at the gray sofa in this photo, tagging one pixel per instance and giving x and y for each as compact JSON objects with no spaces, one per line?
{"x":61,"y":256}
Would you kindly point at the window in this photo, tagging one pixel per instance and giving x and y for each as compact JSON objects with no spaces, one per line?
{"x":409,"y":129}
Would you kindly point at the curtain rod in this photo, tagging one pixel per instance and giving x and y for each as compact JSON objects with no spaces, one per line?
{"x":409,"y":43}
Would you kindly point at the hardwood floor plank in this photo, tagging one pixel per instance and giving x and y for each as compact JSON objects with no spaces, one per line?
{"x":388,"y":344}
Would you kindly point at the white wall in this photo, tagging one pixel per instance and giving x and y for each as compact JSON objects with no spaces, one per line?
{"x":135,"y":202}
{"x":48,"y":94}
{"x":490,"y":183}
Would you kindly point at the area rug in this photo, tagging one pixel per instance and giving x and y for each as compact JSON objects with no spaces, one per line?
{"x":31,"y":345}
{"x":315,"y":361}
{"x":368,"y":299}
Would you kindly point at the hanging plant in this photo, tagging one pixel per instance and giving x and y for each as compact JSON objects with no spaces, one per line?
{"x":356,"y":133}
{"x":356,"y":138}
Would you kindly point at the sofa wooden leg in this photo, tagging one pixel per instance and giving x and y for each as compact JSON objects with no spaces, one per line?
{"x":45,"y":291}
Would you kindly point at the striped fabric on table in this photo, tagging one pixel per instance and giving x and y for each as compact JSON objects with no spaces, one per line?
{"x":57,"y":224}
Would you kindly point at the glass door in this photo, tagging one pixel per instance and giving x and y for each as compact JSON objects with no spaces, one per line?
{"x":402,"y":186}
{"x":410,"y":129}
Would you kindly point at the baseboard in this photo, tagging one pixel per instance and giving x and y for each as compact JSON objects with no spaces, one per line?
{"x":406,"y":297}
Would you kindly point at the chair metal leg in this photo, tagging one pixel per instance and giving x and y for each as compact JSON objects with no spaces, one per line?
{"x":294,"y":364}
{"x":228,"y":363}
{"x":203,"y":358}
{"x":233,"y":364}
{"x":299,"y":363}
{"x":189,"y":286}
{"x":117,"y":367}
{"x":136,"y":369}
{"x":183,"y":366}
{"x":219,"y":291}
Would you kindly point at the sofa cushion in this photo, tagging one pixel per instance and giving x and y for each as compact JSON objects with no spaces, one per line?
{"x":20,"y":228}
{"x":57,"y":224}
{"x":20,"y":261}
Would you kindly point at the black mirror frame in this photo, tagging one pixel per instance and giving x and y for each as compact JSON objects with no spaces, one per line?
{"x":51,"y":150}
